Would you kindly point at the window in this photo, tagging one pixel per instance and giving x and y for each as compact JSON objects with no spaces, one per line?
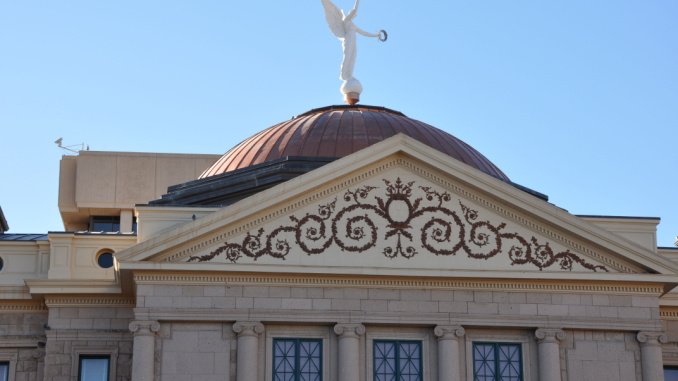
{"x":4,"y":371}
{"x":297,"y":360}
{"x":104,"y":224}
{"x":670,"y":373}
{"x":497,"y":362}
{"x":93,"y":368}
{"x":397,"y":360}
{"x":105,"y":259}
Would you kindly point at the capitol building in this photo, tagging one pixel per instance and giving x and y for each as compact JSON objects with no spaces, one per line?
{"x":350,"y":243}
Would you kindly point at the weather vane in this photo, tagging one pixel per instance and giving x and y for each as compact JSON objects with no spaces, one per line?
{"x":343,"y":27}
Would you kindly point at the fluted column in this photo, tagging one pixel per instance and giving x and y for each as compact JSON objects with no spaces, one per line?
{"x":349,"y":350}
{"x":549,"y":353}
{"x":248,"y":349}
{"x":143,"y":358}
{"x":651,"y":355}
{"x":449,"y":366}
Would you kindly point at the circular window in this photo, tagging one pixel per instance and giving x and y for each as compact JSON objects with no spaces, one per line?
{"x":105,"y":259}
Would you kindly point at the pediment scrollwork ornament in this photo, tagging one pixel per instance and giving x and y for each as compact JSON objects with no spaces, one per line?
{"x":403,"y":221}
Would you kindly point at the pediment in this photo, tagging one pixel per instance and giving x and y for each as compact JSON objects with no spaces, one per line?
{"x":397,"y":209}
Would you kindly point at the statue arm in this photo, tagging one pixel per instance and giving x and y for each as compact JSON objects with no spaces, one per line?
{"x":366,"y":34}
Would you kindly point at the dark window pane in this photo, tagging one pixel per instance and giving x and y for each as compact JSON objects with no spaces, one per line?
{"x":497,"y":362}
{"x":297,"y":360}
{"x":671,"y":374}
{"x":4,"y":371}
{"x":104,"y":224}
{"x":397,"y":360}
{"x":105,"y":260}
{"x":94,"y":368}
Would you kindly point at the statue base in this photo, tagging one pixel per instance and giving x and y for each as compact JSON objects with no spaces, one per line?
{"x":352,"y":98}
{"x":351,"y":90}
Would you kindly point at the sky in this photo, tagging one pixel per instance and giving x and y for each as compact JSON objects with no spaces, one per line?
{"x":576,"y":99}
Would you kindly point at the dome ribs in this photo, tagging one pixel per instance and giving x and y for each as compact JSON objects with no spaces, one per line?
{"x":313,"y":139}
{"x":298,"y":136}
{"x":344,"y":142}
{"x":328,"y":142}
{"x":374,"y":135}
{"x":223,"y":164}
{"x":407,"y":127}
{"x":360,"y":140}
{"x":338,"y":131}
{"x":249,"y":152}
{"x":289,"y":133}
{"x":271,"y":142}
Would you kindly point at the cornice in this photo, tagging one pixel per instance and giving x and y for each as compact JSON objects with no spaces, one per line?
{"x":668,"y":313}
{"x":22,"y":306}
{"x":89,"y":301}
{"x":73,"y":286}
{"x":325,"y":280}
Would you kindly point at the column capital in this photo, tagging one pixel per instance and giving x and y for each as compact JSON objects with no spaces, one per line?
{"x":447,"y":332}
{"x":549,"y":335}
{"x":652,"y":338}
{"x":248,"y":328}
{"x":349,"y":330}
{"x":144,"y":327}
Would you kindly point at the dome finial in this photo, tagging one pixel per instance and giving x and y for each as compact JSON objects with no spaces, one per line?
{"x":344,"y":29}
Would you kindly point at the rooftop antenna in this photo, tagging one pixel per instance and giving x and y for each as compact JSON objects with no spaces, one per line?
{"x":69,"y":148}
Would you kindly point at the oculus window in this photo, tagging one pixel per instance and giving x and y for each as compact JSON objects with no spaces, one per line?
{"x":94,"y":368}
{"x":297,"y":359}
{"x":497,"y":362}
{"x":105,"y":259}
{"x":397,"y":360}
{"x":4,"y":371}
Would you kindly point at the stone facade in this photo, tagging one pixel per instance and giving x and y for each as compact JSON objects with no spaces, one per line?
{"x":392,"y":247}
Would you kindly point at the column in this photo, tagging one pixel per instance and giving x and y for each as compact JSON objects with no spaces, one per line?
{"x":143,"y":358}
{"x":651,"y":355}
{"x":126,"y":221}
{"x":349,"y":350}
{"x":449,"y":365}
{"x":549,"y":353}
{"x":247,"y":362}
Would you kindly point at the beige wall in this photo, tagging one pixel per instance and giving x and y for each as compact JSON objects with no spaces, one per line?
{"x":600,"y":329}
{"x":104,"y":183}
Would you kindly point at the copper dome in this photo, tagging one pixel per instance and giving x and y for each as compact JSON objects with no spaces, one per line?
{"x":337,"y":131}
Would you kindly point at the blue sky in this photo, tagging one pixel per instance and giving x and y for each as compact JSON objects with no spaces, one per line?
{"x":576,"y":99}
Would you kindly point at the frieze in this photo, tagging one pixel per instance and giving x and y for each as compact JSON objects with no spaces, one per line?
{"x":402,"y":219}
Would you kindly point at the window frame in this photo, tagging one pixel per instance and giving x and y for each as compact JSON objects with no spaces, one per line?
{"x":496,"y":346}
{"x":505,"y":336}
{"x":322,"y":333}
{"x":93,"y":357}
{"x":397,"y":354}
{"x":297,"y":342}
{"x":112,"y":220}
{"x":80,"y":350}
{"x":10,"y":357}
{"x":424,"y":335}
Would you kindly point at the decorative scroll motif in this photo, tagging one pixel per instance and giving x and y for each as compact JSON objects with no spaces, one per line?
{"x":412,"y":224}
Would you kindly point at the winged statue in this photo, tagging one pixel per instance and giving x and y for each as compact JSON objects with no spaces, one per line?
{"x":344,"y":29}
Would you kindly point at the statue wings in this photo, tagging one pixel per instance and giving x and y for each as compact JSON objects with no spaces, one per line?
{"x":335,"y":18}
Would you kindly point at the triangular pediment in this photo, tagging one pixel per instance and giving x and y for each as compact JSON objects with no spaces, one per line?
{"x":400,"y":208}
